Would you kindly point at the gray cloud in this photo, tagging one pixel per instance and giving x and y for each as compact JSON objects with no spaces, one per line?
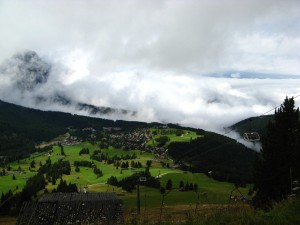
{"x":187,"y":36}
{"x":149,"y":56}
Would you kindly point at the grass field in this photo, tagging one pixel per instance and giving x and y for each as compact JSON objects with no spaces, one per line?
{"x":176,"y":203}
{"x":217,"y":192}
{"x":185,"y":137}
{"x":7,"y":183}
{"x":178,"y":208}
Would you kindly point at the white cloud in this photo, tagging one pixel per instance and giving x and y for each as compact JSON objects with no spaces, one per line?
{"x":77,"y":62}
{"x":196,"y":101}
{"x":193,"y":36}
{"x":235,"y":75}
{"x":149,"y":55}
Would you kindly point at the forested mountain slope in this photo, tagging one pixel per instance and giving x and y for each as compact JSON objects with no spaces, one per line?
{"x":253,"y":124}
{"x":21,"y":127}
{"x":216,"y":155}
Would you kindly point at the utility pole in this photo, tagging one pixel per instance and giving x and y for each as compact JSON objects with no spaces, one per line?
{"x":291,"y":179}
{"x":138,"y":201}
{"x":198,"y":201}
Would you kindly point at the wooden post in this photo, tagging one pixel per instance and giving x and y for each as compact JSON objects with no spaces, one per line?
{"x":138,"y":201}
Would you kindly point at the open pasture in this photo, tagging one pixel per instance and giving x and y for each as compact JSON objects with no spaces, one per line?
{"x":217,"y":192}
{"x":186,"y":136}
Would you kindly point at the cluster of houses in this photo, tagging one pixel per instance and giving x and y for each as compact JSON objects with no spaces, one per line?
{"x":111,"y":129}
{"x":71,"y":141}
{"x":136,"y":139}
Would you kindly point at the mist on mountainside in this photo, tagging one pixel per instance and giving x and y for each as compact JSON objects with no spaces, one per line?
{"x":197,"y":101}
{"x":28,"y":82}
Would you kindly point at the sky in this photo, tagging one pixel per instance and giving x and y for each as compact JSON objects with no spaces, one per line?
{"x":164,"y":59}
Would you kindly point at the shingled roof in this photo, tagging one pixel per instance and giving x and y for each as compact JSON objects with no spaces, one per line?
{"x":72,"y":208}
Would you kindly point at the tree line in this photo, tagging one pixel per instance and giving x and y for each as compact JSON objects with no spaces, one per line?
{"x":277,"y":167}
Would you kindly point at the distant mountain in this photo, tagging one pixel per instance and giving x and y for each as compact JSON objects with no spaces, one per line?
{"x":28,"y":76}
{"x":27,"y":70}
{"x":94,"y":110}
{"x":99,"y":111}
{"x":251,"y":75}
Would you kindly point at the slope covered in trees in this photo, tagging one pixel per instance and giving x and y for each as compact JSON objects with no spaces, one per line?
{"x":21,"y":127}
{"x":44,"y":125}
{"x":226,"y":159}
{"x":253,"y":124}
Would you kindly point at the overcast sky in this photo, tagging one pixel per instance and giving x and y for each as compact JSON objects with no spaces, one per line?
{"x":157,"y":57}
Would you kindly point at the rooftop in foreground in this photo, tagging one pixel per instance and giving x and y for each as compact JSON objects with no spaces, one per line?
{"x":72,"y":208}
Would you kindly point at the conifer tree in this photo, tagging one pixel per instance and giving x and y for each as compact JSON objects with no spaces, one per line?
{"x":169,"y":185}
{"x":181,"y":185}
{"x":62,"y":152}
{"x":278,"y":164}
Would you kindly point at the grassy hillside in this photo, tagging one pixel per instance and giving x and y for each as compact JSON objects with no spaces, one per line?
{"x":217,"y":192}
{"x":184,"y":136}
{"x":23,"y":129}
{"x":215,"y":208}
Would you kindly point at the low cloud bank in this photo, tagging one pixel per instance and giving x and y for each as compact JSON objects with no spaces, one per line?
{"x":190,"y":100}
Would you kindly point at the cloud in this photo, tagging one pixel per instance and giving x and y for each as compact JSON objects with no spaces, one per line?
{"x":149,"y":56}
{"x":234,"y":135}
{"x":235,"y":75}
{"x":187,"y":36}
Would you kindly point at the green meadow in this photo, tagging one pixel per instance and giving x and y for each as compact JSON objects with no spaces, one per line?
{"x":185,"y":137}
{"x":217,"y":192}
{"x":7,"y":183}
